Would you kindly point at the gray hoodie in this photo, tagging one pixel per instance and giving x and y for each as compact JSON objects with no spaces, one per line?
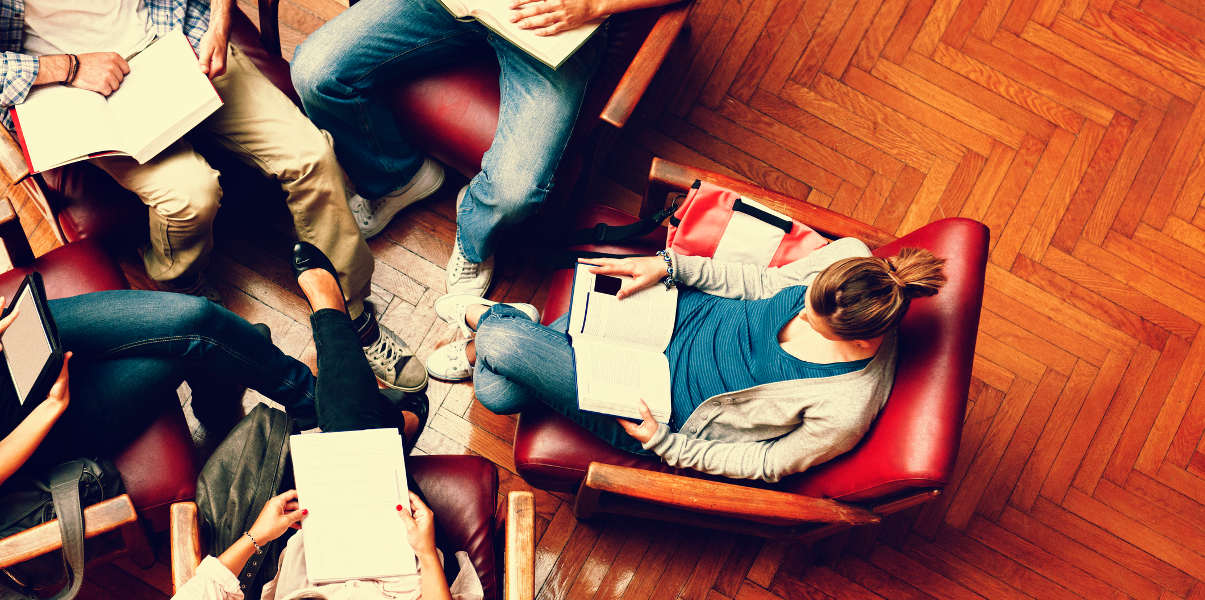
{"x":772,"y":430}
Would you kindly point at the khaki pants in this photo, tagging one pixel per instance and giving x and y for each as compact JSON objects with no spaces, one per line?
{"x":263,"y":128}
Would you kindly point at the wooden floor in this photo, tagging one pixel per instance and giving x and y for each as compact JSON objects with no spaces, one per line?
{"x":1073,"y":128}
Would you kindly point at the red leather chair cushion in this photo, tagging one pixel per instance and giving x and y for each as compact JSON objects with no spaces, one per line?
{"x":452,"y":112}
{"x":70,"y":270}
{"x":463,"y":493}
{"x":913,"y":443}
{"x":160,"y":467}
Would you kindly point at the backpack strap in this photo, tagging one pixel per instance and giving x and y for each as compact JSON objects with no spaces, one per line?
{"x":65,"y":493}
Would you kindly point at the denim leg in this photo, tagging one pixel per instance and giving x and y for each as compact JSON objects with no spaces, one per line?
{"x":198,"y":337}
{"x":521,"y":363}
{"x":339,"y":70}
{"x":537,"y":110}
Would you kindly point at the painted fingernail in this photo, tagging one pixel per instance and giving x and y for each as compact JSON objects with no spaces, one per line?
{"x":399,"y":507}
{"x":305,"y":511}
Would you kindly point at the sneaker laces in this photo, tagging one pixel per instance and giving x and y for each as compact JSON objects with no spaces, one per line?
{"x":387,"y":352}
{"x":360,"y":209}
{"x":462,"y":267}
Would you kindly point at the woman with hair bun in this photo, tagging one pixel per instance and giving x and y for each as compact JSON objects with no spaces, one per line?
{"x":773,"y":370}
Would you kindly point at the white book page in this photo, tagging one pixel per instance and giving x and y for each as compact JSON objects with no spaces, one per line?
{"x":645,"y":318}
{"x":26,"y":334}
{"x":351,"y":482}
{"x":61,"y":124}
{"x":613,"y":377}
{"x":552,"y":49}
{"x":163,"y":97}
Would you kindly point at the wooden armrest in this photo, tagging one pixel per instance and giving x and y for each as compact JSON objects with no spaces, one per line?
{"x":520,"y":546}
{"x":666,"y":177}
{"x":99,"y":518}
{"x":645,"y":63}
{"x":719,"y":498}
{"x":186,"y":543}
{"x":269,"y":25}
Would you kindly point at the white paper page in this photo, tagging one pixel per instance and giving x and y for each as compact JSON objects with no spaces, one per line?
{"x":351,"y":482}
{"x":645,"y":318}
{"x":61,"y":124}
{"x":552,"y":49}
{"x":163,"y":97}
{"x":26,"y":345}
{"x":613,"y":377}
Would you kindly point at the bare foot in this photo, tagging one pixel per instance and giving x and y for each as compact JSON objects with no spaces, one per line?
{"x":472,"y":315}
{"x":322,"y":290}
{"x":410,"y":426}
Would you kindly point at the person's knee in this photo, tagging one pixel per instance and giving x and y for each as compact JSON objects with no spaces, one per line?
{"x":497,"y":340}
{"x":194,"y":199}
{"x":314,"y":70}
{"x":190,"y":314}
{"x":515,"y":194}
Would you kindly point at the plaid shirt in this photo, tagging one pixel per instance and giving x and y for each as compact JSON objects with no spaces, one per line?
{"x":18,"y":70}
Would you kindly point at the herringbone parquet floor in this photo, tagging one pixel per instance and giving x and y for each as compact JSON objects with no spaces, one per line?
{"x":1073,"y":128}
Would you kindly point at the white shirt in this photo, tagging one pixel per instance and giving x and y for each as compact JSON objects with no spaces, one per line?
{"x":213,"y":581}
{"x":78,"y":27}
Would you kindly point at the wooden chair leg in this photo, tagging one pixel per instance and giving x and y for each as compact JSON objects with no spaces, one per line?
{"x":137,"y":544}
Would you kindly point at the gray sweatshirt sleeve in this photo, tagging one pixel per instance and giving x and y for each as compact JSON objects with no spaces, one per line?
{"x":753,"y":282}
{"x":818,"y":439}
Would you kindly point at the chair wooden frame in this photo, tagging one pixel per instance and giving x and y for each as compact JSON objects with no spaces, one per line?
{"x":720,"y":504}
{"x":519,"y":570}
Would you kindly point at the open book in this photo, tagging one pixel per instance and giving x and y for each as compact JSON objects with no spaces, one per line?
{"x":551,"y":50}
{"x":163,"y":97}
{"x":619,"y":345}
{"x":351,"y":482}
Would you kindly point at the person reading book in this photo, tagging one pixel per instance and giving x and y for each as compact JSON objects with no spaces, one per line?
{"x":773,"y":370}
{"x":85,"y":45}
{"x":342,"y":68}
{"x":347,"y":399}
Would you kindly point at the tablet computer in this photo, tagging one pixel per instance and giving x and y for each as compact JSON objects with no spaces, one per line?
{"x":31,"y":349}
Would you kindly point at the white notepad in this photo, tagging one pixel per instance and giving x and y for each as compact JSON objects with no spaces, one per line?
{"x":351,"y":482}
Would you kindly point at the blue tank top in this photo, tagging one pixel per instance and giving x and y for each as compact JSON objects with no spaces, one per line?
{"x":723,"y":345}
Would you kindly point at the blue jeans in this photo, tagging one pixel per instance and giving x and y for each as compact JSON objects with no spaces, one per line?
{"x":133,"y":348}
{"x":521,"y":364}
{"x":342,"y":70}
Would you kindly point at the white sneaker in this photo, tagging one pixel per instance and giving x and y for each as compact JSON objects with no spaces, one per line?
{"x":450,"y":363}
{"x":465,"y":277}
{"x":451,"y":308}
{"x":373,"y":215}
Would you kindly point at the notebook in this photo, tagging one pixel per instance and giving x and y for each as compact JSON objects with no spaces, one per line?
{"x":351,"y":482}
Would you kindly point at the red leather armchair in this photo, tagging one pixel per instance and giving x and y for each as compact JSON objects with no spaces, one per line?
{"x":462,"y":491}
{"x":158,"y":468}
{"x":905,"y":458}
{"x":454,"y":111}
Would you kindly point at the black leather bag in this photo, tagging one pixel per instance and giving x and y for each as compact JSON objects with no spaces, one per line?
{"x":243,"y":473}
{"x":60,"y":493}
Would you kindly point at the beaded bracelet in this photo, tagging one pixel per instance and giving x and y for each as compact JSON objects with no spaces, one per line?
{"x":258,"y":549}
{"x":668,"y":281}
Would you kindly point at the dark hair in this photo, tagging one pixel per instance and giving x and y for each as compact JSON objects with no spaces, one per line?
{"x":861,"y":298}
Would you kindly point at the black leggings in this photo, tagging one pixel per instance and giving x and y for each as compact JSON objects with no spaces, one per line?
{"x":348,"y":399}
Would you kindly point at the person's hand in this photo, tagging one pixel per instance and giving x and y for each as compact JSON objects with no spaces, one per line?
{"x":280,"y":512}
{"x":644,"y":431}
{"x":211,"y":53}
{"x":645,"y":271}
{"x":101,"y":72}
{"x":6,"y":321}
{"x":550,"y":17}
{"x":420,"y":526}
{"x":59,"y":395}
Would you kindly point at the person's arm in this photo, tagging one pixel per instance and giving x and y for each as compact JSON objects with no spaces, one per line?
{"x":19,"y":445}
{"x":820,"y":437}
{"x":728,"y":279}
{"x":550,"y":17}
{"x":211,"y":53}
{"x":420,"y":531}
